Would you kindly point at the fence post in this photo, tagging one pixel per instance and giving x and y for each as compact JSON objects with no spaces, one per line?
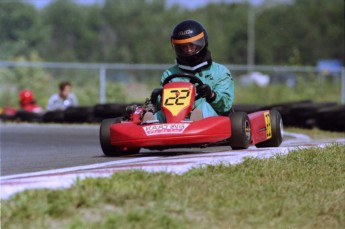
{"x":251,"y":39}
{"x":343,"y":85}
{"x":102,"y":82}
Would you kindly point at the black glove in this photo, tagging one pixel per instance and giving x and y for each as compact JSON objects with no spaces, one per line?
{"x":206,"y":92}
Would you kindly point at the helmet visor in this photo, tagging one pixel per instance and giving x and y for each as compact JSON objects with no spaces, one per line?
{"x":189,"y":46}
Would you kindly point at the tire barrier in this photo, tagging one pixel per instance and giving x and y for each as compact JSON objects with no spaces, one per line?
{"x":54,"y":116}
{"x":331,"y":118}
{"x":248,"y":108}
{"x":109,"y":110}
{"x":79,"y":115}
{"x":303,"y":114}
{"x":7,"y":118}
{"x":26,"y":116}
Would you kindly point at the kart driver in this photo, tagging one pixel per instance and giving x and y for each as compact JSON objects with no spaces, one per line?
{"x":190,"y":43}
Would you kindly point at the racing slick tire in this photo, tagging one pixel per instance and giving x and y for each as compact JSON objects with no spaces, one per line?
{"x":277,"y":131}
{"x":240,"y":130}
{"x":104,"y":137}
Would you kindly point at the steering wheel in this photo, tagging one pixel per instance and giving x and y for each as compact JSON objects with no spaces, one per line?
{"x":192,"y":79}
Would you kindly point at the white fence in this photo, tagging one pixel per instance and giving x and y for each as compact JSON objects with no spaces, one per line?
{"x":103,"y":72}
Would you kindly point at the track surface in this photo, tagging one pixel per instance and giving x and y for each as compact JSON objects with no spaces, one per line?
{"x":29,"y":147}
{"x":61,"y":154}
{"x":36,"y":147}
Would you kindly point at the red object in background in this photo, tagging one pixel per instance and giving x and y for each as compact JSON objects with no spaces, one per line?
{"x":9,"y":111}
{"x":32,"y":108}
{"x":26,"y":97}
{"x":27,"y":101}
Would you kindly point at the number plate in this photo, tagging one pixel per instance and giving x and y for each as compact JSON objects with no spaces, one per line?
{"x":268,"y":125}
{"x":176,"y":99}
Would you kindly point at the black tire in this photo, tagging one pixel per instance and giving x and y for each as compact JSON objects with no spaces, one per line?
{"x":26,"y":116}
{"x":54,"y":116}
{"x":240,"y":130}
{"x":305,"y":115}
{"x":285,"y":110}
{"x":277,"y":131}
{"x":78,"y":114}
{"x":248,"y":108}
{"x":332,"y":118}
{"x":109,"y":110}
{"x":104,"y":137}
{"x":5,"y":118}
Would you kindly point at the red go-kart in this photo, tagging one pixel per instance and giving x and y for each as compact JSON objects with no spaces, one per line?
{"x":128,"y":135}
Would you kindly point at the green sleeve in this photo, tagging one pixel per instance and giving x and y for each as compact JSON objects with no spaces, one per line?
{"x":165,"y":74}
{"x":224,"y":88}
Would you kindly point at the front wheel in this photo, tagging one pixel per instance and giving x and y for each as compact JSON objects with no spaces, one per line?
{"x":277,"y":131}
{"x":104,"y":137}
{"x":240,"y":130}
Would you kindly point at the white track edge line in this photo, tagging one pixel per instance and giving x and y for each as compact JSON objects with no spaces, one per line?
{"x":75,"y":168}
{"x":97,"y":165}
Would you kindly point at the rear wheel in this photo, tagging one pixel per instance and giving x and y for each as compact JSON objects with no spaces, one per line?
{"x":240,"y":130}
{"x":104,"y":137}
{"x":277,"y":131}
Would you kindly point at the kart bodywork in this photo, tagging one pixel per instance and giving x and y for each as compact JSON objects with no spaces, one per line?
{"x":239,"y":130}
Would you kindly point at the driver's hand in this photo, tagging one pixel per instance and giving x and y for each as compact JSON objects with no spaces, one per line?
{"x":206,"y":92}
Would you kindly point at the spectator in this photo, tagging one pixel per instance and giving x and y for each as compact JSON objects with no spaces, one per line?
{"x":64,"y":99}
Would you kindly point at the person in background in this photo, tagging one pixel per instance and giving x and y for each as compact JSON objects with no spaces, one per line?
{"x":27,"y":101}
{"x":64,"y":99}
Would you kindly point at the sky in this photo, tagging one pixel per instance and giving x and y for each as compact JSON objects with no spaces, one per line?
{"x":190,"y":4}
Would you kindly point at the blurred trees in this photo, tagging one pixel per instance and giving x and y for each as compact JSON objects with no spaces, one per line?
{"x":307,"y":30}
{"x":13,"y":80}
{"x":138,"y":31}
{"x":21,"y":29}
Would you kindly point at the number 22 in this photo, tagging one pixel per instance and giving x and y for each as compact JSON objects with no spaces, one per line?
{"x":177,"y":98}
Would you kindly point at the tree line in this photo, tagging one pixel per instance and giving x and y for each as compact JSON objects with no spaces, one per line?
{"x":299,"y":32}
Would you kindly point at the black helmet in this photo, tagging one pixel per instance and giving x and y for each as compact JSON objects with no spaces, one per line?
{"x":189,"y":40}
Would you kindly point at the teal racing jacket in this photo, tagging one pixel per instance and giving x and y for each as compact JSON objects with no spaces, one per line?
{"x":219,"y":78}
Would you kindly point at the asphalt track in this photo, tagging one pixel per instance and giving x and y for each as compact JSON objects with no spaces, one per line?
{"x":37,"y":147}
{"x":55,"y":156}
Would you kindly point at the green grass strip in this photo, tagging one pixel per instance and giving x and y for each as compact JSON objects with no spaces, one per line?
{"x":304,"y":189}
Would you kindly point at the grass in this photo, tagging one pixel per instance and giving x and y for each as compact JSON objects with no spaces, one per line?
{"x":273,"y":94}
{"x":304,"y":189}
{"x":44,"y":83}
{"x":316,"y":133}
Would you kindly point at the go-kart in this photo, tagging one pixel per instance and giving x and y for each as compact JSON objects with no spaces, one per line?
{"x":128,"y":134}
